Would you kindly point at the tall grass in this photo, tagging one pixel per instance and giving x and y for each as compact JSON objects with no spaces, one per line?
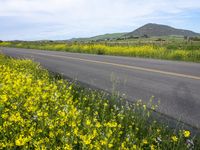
{"x":146,"y":51}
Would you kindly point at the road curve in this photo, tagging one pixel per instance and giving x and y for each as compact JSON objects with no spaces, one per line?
{"x":175,"y":84}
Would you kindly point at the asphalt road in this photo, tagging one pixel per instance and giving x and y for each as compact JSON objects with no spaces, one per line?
{"x":175,"y":84}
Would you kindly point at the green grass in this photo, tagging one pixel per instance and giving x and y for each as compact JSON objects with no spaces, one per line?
{"x":39,"y":111}
{"x":169,"y":50}
{"x":100,"y":37}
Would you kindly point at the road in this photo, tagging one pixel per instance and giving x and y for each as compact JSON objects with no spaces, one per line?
{"x":175,"y":84}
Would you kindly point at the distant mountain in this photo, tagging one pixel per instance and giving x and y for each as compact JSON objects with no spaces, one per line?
{"x":101,"y":37}
{"x":107,"y":36}
{"x":152,"y":29}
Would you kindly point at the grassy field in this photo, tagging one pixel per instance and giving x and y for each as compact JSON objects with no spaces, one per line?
{"x":41,"y":111}
{"x":171,"y":49}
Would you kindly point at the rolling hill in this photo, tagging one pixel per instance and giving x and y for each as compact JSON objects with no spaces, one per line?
{"x":100,"y":37}
{"x":152,"y":29}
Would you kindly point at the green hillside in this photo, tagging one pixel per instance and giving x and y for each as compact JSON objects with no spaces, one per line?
{"x":103,"y":37}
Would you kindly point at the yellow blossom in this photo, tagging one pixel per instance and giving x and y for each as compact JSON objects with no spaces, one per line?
{"x":144,"y":141}
{"x":21,"y":141}
{"x":186,"y":133}
{"x":153,"y":147}
{"x":174,"y":138}
{"x":134,"y":147}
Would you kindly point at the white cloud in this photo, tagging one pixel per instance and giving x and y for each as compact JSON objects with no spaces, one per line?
{"x":93,"y":16}
{"x":94,"y":7}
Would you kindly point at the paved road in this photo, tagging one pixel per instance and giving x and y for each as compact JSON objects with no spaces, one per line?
{"x":175,"y":84}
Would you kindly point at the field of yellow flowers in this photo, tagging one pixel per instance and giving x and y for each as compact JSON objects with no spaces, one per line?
{"x":39,"y":111}
{"x":145,"y":50}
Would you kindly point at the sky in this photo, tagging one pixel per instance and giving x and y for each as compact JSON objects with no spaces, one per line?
{"x":65,"y":19}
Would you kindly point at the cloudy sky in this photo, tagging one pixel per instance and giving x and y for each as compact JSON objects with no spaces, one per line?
{"x":64,"y":19}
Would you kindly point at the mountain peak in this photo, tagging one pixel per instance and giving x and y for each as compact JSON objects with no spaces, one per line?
{"x":153,"y":29}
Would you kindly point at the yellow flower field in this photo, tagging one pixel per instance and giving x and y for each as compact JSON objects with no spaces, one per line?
{"x":145,"y":50}
{"x":39,"y":111}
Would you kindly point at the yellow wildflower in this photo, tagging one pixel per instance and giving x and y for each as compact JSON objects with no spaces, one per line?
{"x":21,"y":141}
{"x":103,"y":142}
{"x":68,"y":147}
{"x":134,"y":147}
{"x":174,"y":138}
{"x":98,"y":125}
{"x":145,"y":141}
{"x":186,"y":133}
{"x":110,"y":145}
{"x":88,"y":122}
{"x":153,"y":147}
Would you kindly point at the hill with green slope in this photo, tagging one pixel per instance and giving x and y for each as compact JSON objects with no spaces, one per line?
{"x":101,"y":37}
{"x":152,"y":29}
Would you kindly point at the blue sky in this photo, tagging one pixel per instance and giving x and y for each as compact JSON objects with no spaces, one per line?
{"x":65,"y":19}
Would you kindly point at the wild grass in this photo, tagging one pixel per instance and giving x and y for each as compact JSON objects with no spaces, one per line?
{"x":165,"y":51}
{"x":39,"y":111}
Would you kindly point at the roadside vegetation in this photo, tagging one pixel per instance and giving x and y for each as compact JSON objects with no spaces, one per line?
{"x":42,"y":111}
{"x":175,"y":49}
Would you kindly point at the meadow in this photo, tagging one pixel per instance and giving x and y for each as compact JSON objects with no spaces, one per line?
{"x":41,"y":111}
{"x":173,"y":50}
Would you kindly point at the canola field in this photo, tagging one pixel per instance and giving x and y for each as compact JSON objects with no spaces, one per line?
{"x":40,"y":111}
{"x":181,"y":52}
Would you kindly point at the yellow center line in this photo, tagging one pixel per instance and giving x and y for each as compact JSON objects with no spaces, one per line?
{"x":126,"y":66}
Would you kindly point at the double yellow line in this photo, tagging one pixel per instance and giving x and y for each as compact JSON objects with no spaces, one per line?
{"x":125,"y":66}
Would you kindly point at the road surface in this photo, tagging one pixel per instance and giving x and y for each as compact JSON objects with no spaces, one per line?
{"x":175,"y":84}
